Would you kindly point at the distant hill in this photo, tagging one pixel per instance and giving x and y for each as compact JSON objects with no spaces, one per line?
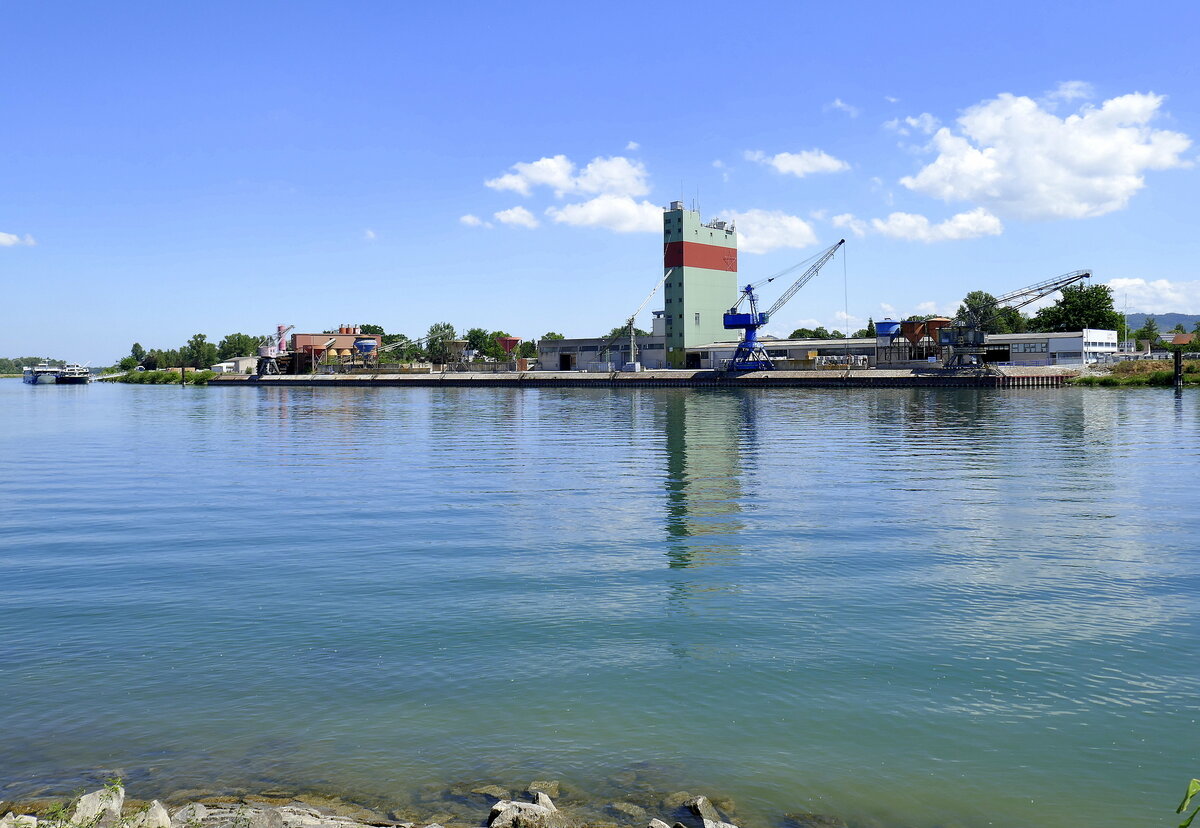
{"x":1165,"y":321}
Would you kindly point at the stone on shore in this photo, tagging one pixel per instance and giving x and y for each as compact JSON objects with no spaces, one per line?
{"x":190,"y":814}
{"x":155,"y":816}
{"x":710,"y":823}
{"x":701,"y":807}
{"x":539,"y":798}
{"x":11,"y":820}
{"x":657,"y":823}
{"x":102,"y":807}
{"x":266,"y":818}
{"x":510,"y":814}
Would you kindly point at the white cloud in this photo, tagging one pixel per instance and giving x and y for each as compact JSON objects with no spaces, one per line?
{"x":886,"y":308}
{"x":760,"y":231}
{"x":517,"y":217}
{"x":1156,"y":296}
{"x":924,"y":123}
{"x":890,"y":99}
{"x":926,"y":308}
{"x":842,"y":106}
{"x":847,"y":220}
{"x":801,"y":163}
{"x":1071,"y":90}
{"x":13,"y":240}
{"x":633,"y":146}
{"x":616,"y":175}
{"x":1017,"y":159}
{"x":614,"y":212}
{"x":913,"y":227}
{"x":471,"y":220}
{"x":369,"y":234}
{"x":613,"y":176}
{"x":553,"y":172}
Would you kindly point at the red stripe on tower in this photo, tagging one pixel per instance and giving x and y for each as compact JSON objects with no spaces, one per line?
{"x":694,"y":254}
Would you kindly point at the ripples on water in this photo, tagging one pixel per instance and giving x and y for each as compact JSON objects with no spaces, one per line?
{"x":918,"y":607}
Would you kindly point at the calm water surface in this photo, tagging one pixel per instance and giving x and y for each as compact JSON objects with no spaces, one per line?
{"x":907,"y":607}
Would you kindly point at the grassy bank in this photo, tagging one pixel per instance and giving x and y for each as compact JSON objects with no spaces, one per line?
{"x":167,"y":377}
{"x":1143,"y":373}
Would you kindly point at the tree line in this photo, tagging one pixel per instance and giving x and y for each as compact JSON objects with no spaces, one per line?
{"x":197,"y":352}
{"x":17,"y":364}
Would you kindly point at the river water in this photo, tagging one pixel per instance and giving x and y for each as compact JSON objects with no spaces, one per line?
{"x":903,"y":607}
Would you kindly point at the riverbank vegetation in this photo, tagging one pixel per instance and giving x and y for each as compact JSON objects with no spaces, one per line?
{"x":167,"y":377}
{"x":1143,"y":372}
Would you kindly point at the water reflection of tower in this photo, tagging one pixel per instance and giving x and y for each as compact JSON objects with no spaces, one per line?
{"x":705,"y":441}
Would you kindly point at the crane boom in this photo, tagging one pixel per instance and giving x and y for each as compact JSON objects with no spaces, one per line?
{"x":805,"y":277}
{"x":750,"y":355}
{"x":964,"y":342}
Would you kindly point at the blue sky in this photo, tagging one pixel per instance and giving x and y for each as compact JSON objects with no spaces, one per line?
{"x":216,"y":167}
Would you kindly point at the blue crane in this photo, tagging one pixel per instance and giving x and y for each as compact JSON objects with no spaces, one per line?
{"x":750,"y":355}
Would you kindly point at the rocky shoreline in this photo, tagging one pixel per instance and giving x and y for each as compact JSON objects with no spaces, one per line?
{"x":541,"y":804}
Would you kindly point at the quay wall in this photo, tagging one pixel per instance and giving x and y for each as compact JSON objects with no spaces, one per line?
{"x":662,"y":379}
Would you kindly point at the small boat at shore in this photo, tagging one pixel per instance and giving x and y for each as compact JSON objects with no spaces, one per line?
{"x":69,"y":374}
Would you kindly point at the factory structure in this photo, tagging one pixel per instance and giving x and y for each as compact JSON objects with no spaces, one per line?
{"x":700,"y":288}
{"x":709,"y":322}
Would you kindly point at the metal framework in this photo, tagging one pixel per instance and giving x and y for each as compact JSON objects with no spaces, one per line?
{"x":964,"y":341}
{"x":750,"y":354}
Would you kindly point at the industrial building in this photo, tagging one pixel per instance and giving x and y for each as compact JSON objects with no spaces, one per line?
{"x":312,"y":348}
{"x":700,"y":281}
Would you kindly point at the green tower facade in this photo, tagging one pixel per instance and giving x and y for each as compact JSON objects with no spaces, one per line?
{"x":700,"y":261}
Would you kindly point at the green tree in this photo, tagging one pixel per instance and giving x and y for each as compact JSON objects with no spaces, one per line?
{"x":137,"y":353}
{"x":812,"y":333}
{"x":1179,"y":328}
{"x":979,"y":307}
{"x":623,"y":330}
{"x":527,"y":350}
{"x":866,"y":332}
{"x":127,"y":364}
{"x":437,"y":336}
{"x":1149,"y":331}
{"x":477,"y":339}
{"x":1079,"y":307}
{"x":372,"y":330}
{"x":493,"y":348}
{"x":236,"y":345}
{"x":198,"y":352}
{"x":553,"y":335}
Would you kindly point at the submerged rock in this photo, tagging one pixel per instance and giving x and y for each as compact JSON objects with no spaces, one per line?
{"x":807,"y":820}
{"x":492,"y":793}
{"x":628,"y":810}
{"x":673,"y":802}
{"x":547,"y":786}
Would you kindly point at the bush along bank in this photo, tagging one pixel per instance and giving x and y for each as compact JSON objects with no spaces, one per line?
{"x":167,"y":377}
{"x":1158,"y":379}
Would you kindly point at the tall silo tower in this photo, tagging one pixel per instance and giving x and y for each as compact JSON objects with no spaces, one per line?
{"x":701,"y":282}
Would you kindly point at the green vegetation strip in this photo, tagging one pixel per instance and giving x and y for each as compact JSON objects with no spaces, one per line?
{"x":167,"y":377}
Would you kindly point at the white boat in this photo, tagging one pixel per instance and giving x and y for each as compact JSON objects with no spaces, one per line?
{"x":73,"y":374}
